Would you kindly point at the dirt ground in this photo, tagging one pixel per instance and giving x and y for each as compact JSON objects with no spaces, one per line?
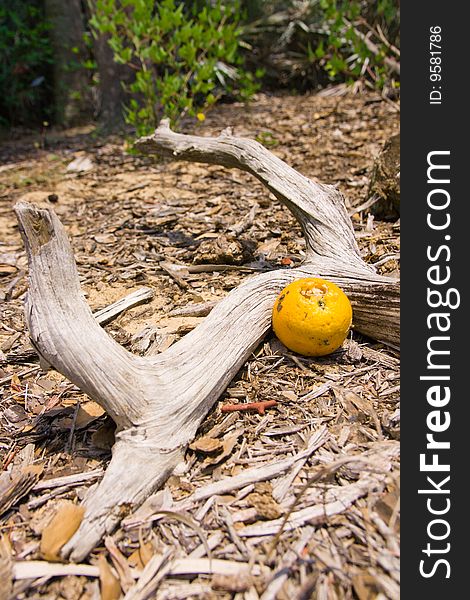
{"x":126,"y":215}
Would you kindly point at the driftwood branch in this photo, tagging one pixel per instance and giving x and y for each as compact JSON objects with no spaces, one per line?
{"x":158,"y":402}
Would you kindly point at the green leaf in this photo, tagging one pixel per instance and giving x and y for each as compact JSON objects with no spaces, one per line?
{"x":176,"y":52}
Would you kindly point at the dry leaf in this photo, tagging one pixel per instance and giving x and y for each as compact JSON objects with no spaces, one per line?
{"x":228,"y":443}
{"x":207,"y":445}
{"x":146,"y":550}
{"x":64,"y":524}
{"x":365,"y":586}
{"x":109,"y":584}
{"x":135,"y":560}
{"x":120,"y":564}
{"x":88,"y":412}
{"x":141,"y":556}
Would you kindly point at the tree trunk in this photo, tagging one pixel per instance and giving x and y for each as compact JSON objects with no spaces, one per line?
{"x":112,"y":76}
{"x":70,"y":78}
{"x":158,"y":402}
{"x":112,"y":96}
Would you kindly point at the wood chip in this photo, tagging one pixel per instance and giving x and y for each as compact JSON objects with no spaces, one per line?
{"x":155,"y":570}
{"x":134,"y":213}
{"x":80,"y":164}
{"x":207,"y":445}
{"x":280,"y":576}
{"x":202,"y":309}
{"x":16,"y":484}
{"x":87,"y":413}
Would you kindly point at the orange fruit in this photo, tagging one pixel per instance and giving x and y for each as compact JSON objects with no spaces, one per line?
{"x":312,"y":316}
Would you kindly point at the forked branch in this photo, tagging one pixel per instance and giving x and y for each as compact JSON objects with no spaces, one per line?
{"x":158,"y":402}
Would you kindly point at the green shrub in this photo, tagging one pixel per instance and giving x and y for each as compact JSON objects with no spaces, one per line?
{"x":306,"y":44}
{"x":360,"y":40}
{"x":25,"y":74}
{"x":184,"y":57}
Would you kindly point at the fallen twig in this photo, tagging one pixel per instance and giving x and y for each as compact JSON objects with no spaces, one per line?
{"x":107,"y":314}
{"x":32,"y":569}
{"x":68,"y":480}
{"x":201,"y":309}
{"x":8,"y":377}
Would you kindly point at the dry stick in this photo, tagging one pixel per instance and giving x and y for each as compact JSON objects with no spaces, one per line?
{"x":365,"y":205}
{"x":182,"y":518}
{"x":69,"y":448}
{"x":68,"y":480}
{"x":158,"y":402}
{"x":7,"y":378}
{"x":33,"y":569}
{"x":107,"y":314}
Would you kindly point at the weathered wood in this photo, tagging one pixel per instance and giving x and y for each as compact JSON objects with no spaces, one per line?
{"x":331,"y":248}
{"x":158,"y":402}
